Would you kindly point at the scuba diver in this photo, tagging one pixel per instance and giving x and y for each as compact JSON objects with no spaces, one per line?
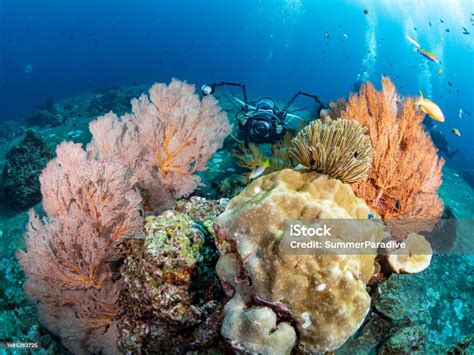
{"x":440,"y":141}
{"x":262,"y":121}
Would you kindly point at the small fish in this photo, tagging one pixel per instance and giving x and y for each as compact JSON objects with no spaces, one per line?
{"x":371,"y":216}
{"x":346,"y":36}
{"x":398,"y":205}
{"x":326,"y":34}
{"x":412,"y":41}
{"x":259,"y":170}
{"x":447,"y":30}
{"x":430,"y":108}
{"x":441,"y":20}
{"x":366,"y":11}
{"x":428,"y":55}
{"x":429,"y":23}
{"x":450,"y":83}
{"x":456,"y":131}
{"x":460,"y":112}
{"x":465,"y":32}
{"x":440,"y":70}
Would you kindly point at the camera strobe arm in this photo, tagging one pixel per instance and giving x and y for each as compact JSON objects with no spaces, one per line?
{"x":225,"y":83}
{"x":295,"y":96}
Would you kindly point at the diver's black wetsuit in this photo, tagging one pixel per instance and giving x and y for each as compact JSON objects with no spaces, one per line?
{"x":440,"y":140}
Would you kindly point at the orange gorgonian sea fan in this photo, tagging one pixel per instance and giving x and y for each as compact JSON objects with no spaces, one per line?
{"x":90,"y":204}
{"x":406,"y":170}
{"x":169,"y":136}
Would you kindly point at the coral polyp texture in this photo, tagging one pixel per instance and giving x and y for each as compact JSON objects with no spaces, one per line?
{"x":338,"y":148}
{"x":169,"y":135}
{"x":322,"y":297}
{"x":406,"y":170}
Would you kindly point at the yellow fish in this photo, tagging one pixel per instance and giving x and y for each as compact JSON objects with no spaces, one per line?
{"x":429,"y":55}
{"x":456,"y":132}
{"x":430,"y":108}
{"x":259,"y":170}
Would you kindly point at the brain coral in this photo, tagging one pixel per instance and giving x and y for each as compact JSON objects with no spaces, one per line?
{"x":322,"y":296}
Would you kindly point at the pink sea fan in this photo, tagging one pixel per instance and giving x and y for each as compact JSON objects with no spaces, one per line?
{"x":83,"y":319}
{"x":91,"y":204}
{"x":169,"y":136}
{"x":68,"y":263}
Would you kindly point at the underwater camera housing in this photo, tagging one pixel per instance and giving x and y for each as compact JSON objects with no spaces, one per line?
{"x":262,"y":121}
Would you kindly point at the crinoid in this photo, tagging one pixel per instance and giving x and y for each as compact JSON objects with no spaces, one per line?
{"x":339,"y":148}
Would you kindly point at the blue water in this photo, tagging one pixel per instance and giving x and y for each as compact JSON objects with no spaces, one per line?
{"x":275,"y":47}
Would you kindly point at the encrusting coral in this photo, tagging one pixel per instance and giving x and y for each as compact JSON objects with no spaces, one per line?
{"x":338,"y":148}
{"x":169,"y":136}
{"x":406,"y":170}
{"x":69,"y":260}
{"x":322,"y":297}
{"x":172,"y":300}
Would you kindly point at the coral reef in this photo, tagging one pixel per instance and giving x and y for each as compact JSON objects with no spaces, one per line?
{"x":18,"y":318}
{"x":46,"y":115}
{"x":339,"y":148}
{"x":255,"y":330}
{"x":69,"y":262}
{"x":112,"y":98}
{"x":251,"y":156}
{"x":93,"y":204}
{"x":172,"y":300}
{"x":414,"y":258}
{"x":202,"y":210}
{"x":322,"y":296}
{"x":439,"y":300}
{"x":164,"y":140}
{"x":406,"y":171}
{"x":23,"y":166}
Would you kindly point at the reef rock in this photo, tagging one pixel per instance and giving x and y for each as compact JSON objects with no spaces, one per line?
{"x":408,"y":340}
{"x":45,"y":115}
{"x":173,"y":299}
{"x":322,"y":297}
{"x":23,"y":166}
{"x":202,"y":210}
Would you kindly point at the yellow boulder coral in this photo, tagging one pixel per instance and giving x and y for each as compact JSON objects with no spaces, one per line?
{"x":255,"y":330}
{"x":324,"y":296}
{"x":414,"y":258}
